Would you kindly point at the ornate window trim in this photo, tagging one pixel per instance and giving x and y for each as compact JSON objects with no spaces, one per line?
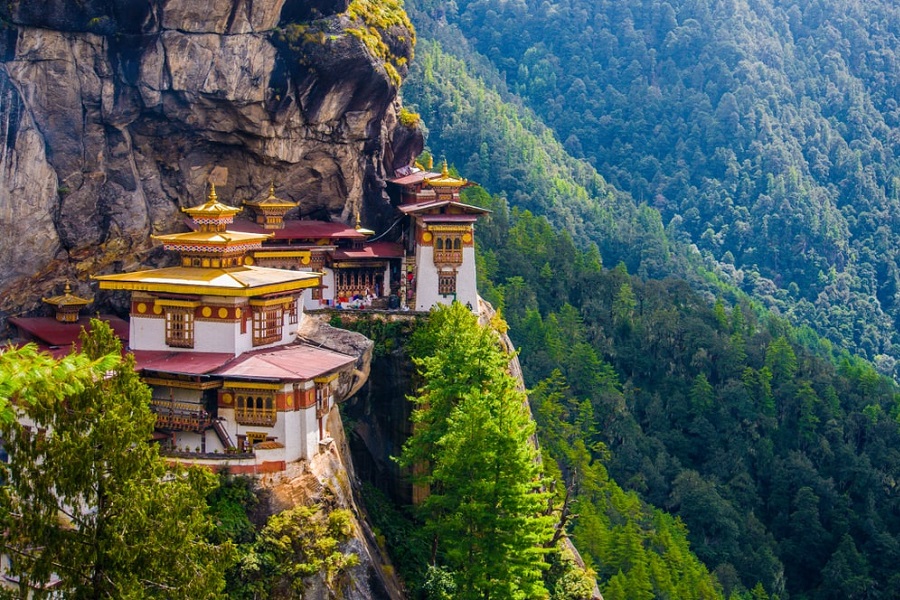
{"x":268,"y":324}
{"x":255,"y":407}
{"x":179,"y":327}
{"x":447,"y":283}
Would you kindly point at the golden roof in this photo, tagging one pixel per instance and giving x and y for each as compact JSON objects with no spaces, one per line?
{"x":271,"y":201}
{"x":445,"y":180}
{"x":236,"y":281}
{"x":67,"y":299}
{"x":213,"y":238}
{"x":212,"y":208}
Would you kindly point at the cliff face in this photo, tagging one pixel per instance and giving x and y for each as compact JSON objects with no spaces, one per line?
{"x":114,"y":113}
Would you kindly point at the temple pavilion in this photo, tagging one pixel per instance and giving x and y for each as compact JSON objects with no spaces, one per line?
{"x":438,"y":239}
{"x":216,"y":339}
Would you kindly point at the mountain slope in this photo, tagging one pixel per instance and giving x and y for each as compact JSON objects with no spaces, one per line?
{"x":764,"y":132}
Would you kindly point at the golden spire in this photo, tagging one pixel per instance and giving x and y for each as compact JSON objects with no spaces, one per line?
{"x":360,"y":228}
{"x":446,"y":180}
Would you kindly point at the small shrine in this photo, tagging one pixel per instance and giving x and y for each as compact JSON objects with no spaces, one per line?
{"x":67,"y":306}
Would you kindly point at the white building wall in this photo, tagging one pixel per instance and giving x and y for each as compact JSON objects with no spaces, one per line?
{"x":308,"y":427}
{"x":147,"y":334}
{"x":427,"y":280}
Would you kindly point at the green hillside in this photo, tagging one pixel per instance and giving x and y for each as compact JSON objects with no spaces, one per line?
{"x":765,"y":133}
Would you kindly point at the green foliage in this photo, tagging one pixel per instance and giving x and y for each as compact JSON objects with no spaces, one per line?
{"x":377,"y":21}
{"x":783,"y":171}
{"x":86,"y":496}
{"x":472,"y":447}
{"x":768,"y":453}
{"x":406,"y":542}
{"x":294,"y":545}
{"x":409,"y":119}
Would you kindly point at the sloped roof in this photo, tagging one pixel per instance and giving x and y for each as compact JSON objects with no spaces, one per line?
{"x":301,"y":230}
{"x":294,"y":362}
{"x":50,"y":333}
{"x":236,"y":281}
{"x":181,"y":363}
{"x":373,"y":250}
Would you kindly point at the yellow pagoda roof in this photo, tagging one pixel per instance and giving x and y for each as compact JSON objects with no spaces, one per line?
{"x":212,"y":208}
{"x":213,"y":238}
{"x":445,"y":180}
{"x":67,"y":299}
{"x":271,"y":201}
{"x":241,"y":282}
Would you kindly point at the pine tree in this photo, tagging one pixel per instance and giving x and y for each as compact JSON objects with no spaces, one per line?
{"x":87,"y":498}
{"x":474,"y":432}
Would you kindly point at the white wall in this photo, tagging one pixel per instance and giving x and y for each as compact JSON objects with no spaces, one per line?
{"x":427,"y":280}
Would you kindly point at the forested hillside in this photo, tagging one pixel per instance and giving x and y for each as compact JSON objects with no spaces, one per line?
{"x":782,"y":465}
{"x":766,"y":133}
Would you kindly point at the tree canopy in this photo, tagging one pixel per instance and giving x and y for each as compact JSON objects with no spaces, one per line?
{"x":473,"y":450}
{"x":87,"y":503}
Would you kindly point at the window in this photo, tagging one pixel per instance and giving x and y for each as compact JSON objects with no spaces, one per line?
{"x":447,"y":283}
{"x":323,"y":393}
{"x":255,"y":437}
{"x":448,"y":249}
{"x":180,"y":327}
{"x":268,"y":324}
{"x":292,"y":312}
{"x":255,"y":408}
{"x":317,"y":293}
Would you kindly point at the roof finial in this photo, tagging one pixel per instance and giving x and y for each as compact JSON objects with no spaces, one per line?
{"x":272,"y":189}
{"x":68,"y":289}
{"x":445,"y":172}
{"x":213,"y":197}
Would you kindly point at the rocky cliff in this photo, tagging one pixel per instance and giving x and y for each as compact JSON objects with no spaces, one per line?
{"x":113,"y":114}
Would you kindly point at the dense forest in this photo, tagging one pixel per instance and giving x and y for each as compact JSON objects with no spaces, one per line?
{"x":763,"y":133}
{"x":781,"y":464}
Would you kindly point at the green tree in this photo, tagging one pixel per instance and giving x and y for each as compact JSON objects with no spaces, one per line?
{"x":87,"y":497}
{"x":474,"y":433}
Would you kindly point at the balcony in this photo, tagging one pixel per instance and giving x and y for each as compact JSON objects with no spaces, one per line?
{"x":255,"y":416}
{"x":448,"y":257}
{"x":180,"y":416}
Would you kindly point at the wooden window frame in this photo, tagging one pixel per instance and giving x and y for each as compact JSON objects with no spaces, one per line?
{"x":447,"y":283}
{"x":255,"y":407}
{"x":180,"y":327}
{"x":448,"y":249}
{"x":268,"y":324}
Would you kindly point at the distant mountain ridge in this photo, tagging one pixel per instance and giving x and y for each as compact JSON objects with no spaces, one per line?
{"x":766,"y":133}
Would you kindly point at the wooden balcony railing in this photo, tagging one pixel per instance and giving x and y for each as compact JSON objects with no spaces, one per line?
{"x":180,"y":416}
{"x":448,"y":257}
{"x":255,"y":416}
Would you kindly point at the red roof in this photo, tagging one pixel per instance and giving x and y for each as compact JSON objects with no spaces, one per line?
{"x":300,"y":230}
{"x":449,"y":218}
{"x":414,"y":178}
{"x":373,"y":250}
{"x":423,"y":206}
{"x":292,"y":362}
{"x":183,"y":363}
{"x":47,"y":331}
